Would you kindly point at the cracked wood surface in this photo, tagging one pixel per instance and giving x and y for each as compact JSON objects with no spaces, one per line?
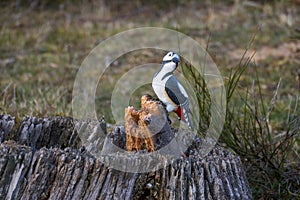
{"x":43,"y":158}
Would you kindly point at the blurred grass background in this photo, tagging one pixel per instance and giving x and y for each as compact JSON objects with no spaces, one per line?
{"x":43,"y":43}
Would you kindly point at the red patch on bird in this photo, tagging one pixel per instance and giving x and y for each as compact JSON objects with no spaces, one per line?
{"x":179,"y":113}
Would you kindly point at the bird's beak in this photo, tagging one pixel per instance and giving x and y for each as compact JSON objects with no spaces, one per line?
{"x":176,"y":59}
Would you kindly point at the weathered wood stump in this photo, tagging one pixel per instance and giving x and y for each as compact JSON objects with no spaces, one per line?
{"x":146,"y":126}
{"x":138,"y":136}
{"x":44,"y":158}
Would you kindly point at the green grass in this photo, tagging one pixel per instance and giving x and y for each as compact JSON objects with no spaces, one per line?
{"x":250,"y":131}
{"x":45,"y":45}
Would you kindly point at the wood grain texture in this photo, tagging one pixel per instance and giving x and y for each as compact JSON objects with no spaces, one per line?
{"x":43,"y":158}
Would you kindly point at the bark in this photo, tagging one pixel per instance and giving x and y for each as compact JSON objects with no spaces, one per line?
{"x":44,"y":158}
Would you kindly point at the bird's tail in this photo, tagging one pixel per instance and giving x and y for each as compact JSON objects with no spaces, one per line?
{"x":187,"y":119}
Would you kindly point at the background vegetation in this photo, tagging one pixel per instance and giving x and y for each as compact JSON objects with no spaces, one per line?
{"x":42,"y":44}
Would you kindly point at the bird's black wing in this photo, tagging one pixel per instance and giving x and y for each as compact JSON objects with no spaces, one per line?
{"x":172,"y":95}
{"x":178,"y":95}
{"x":174,"y":92}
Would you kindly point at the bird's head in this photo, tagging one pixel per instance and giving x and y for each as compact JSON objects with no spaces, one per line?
{"x":170,"y":61}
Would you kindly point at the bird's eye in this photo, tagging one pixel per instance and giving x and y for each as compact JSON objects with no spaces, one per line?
{"x":170,"y":54}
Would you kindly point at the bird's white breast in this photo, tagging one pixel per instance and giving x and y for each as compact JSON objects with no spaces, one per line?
{"x":158,"y":85}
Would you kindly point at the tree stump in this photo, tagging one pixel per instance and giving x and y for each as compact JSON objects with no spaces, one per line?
{"x":44,"y":158}
{"x":143,"y":125}
{"x":138,"y":136}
